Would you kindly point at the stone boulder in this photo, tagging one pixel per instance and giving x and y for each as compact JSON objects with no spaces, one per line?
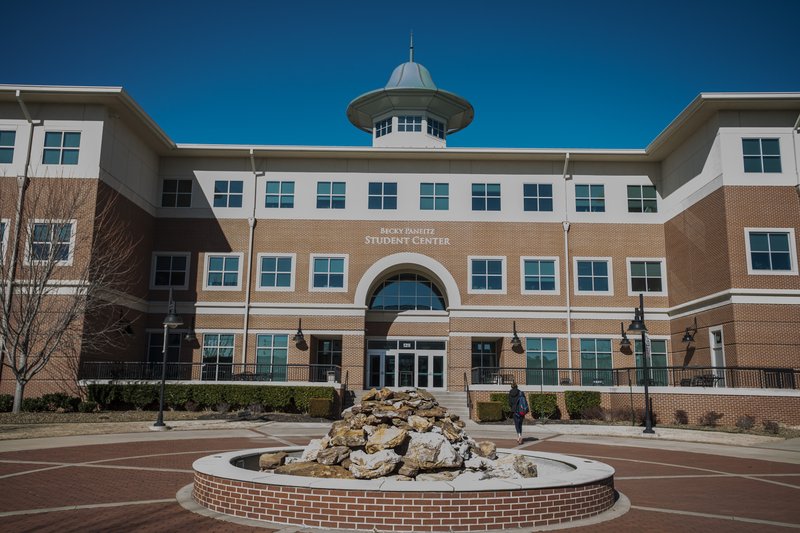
{"x":333,"y":455}
{"x":432,"y":451}
{"x":485,"y":449}
{"x":268,"y":461}
{"x":371,"y":465}
{"x":314,"y":469}
{"x":386,"y":438}
{"x":419,"y":423}
{"x":312,"y":450}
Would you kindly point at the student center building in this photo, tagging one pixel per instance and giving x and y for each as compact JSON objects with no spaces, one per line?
{"x":408,"y":263}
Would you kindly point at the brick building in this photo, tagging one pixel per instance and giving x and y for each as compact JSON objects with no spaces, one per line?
{"x":408,"y":263}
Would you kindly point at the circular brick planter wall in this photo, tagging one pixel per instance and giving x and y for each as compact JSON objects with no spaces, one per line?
{"x":583,"y":489}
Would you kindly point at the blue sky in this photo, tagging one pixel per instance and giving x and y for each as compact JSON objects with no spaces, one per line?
{"x":566,"y":74}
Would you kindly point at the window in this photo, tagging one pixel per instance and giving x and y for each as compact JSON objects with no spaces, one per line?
{"x":537,"y":196}
{"x":7,"y":139}
{"x":52,"y":242}
{"x":596,"y":362}
{"x":487,"y":274}
{"x":329,"y":273}
{"x":436,"y":128}
{"x":646,"y":276}
{"x":223,"y":272}
{"x":382,"y":195}
{"x":217,"y":357}
{"x":3,"y":237}
{"x":330,"y":194}
{"x":276,"y":272}
{"x":176,"y":193}
{"x":409,"y":123}
{"x":272,"y":356}
{"x":486,"y":197}
{"x":539,"y":275}
{"x":434,"y":196}
{"x":155,"y":354}
{"x":407,"y":291}
{"x":590,"y":198}
{"x":383,"y":127}
{"x":170,"y":270}
{"x":280,"y":194}
{"x":484,"y":355}
{"x":541,"y":361}
{"x":593,"y":276}
{"x":657,"y":362}
{"x":642,"y":199}
{"x":771,"y":251}
{"x":761,"y":155}
{"x":61,"y":147}
{"x":228,"y":193}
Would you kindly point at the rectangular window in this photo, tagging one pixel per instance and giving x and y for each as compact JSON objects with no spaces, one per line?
{"x":590,"y":198}
{"x":434,"y":196}
{"x":7,"y":139}
{"x":541,"y":361}
{"x":217,"y":357}
{"x":539,"y":275}
{"x":409,"y":123}
{"x":170,"y":270}
{"x":486,"y":197}
{"x":642,"y":199}
{"x":176,"y":193}
{"x":487,"y":274}
{"x":61,"y":147}
{"x":280,"y":195}
{"x":771,"y":251}
{"x":52,"y":242}
{"x":330,"y":194}
{"x":223,"y":272}
{"x":272,"y":356}
{"x":593,"y":276}
{"x":276,"y":272}
{"x":436,"y":128}
{"x":761,"y":155}
{"x":484,"y":355}
{"x":329,"y":273}
{"x":382,"y":195}
{"x":383,"y":127}
{"x":155,"y":347}
{"x":646,"y":276}
{"x":656,"y":363}
{"x":228,"y":193}
{"x":596,"y":362}
{"x":537,"y":196}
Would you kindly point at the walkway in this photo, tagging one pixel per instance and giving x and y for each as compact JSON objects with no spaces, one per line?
{"x":129,"y":482}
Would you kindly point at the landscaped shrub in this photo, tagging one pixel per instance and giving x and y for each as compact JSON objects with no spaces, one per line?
{"x":490,"y":411}
{"x":34,"y":405}
{"x":771,"y":426}
{"x":87,"y":407}
{"x":6,"y":403}
{"x":502,"y":399}
{"x":320,"y":407}
{"x":681,"y":417}
{"x":594,"y":412}
{"x":578,"y":400}
{"x":620,"y":414}
{"x":746,"y":422}
{"x":710,"y":419}
{"x":59,"y":400}
{"x":544,"y":406}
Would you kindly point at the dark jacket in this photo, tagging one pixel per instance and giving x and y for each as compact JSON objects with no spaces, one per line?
{"x":517,"y":401}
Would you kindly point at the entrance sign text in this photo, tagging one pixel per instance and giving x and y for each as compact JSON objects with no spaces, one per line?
{"x":407,"y":236}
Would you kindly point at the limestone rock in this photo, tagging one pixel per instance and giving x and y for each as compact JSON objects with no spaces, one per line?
{"x":314,"y":470}
{"x":312,"y":450}
{"x":371,"y":465}
{"x":333,"y":455}
{"x":432,"y":451}
{"x":385,"y":438}
{"x":369,"y":395}
{"x":513,"y":467}
{"x":419,"y":423}
{"x":478,"y":463}
{"x":434,"y":412}
{"x":352,"y":438}
{"x":268,"y":461}
{"x":450,"y":432}
{"x":486,"y":449}
{"x":385,"y":394}
{"x":425,"y":395}
{"x":408,"y":468}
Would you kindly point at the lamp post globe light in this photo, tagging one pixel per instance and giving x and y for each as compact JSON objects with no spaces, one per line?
{"x":636,"y":326}
{"x":171,"y":321}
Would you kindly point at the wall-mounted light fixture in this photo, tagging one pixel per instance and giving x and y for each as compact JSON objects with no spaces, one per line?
{"x":624,"y":344}
{"x":515,"y":340}
{"x":299,"y":338}
{"x":190,"y":336}
{"x":688,"y":335}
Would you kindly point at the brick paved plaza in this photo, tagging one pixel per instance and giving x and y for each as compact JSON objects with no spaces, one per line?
{"x":129,"y":482}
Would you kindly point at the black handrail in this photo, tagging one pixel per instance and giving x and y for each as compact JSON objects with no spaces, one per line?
{"x":102,"y":370}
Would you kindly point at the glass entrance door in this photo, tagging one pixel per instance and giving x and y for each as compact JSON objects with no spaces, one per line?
{"x":406,"y":364}
{"x":415,"y":364}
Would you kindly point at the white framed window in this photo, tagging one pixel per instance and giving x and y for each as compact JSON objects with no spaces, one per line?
{"x":61,"y":147}
{"x":642,"y":199}
{"x":7,"y":140}
{"x":539,"y":275}
{"x":228,"y":193}
{"x":771,"y":251}
{"x":541,"y":361}
{"x":486,"y":197}
{"x":223,"y":272}
{"x":51,"y":241}
{"x":436,"y":128}
{"x":170,"y":270}
{"x":593,"y":275}
{"x":218,"y":356}
{"x":434,"y":196}
{"x":272,"y":356}
{"x":761,"y":155}
{"x":176,"y":193}
{"x":276,"y":272}
{"x":409,"y":123}
{"x":647,"y":275}
{"x":383,"y":127}
{"x":331,"y":194}
{"x":656,"y":363}
{"x":537,"y":196}
{"x":382,"y":195}
{"x":487,"y":275}
{"x":590,"y":198}
{"x":328,"y":273}
{"x":596,"y":362}
{"x":280,"y":195}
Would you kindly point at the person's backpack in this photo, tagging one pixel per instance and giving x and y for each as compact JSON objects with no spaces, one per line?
{"x":523,"y":405}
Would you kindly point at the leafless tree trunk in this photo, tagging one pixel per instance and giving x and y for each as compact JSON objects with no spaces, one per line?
{"x":69,"y":261}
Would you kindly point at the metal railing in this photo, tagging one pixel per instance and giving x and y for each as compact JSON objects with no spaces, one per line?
{"x":673,"y":376}
{"x":98,"y":370}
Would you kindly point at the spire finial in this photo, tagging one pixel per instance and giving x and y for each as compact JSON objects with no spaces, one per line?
{"x":411,"y":48}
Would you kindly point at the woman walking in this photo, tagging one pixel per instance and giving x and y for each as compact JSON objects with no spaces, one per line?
{"x":519,"y":408}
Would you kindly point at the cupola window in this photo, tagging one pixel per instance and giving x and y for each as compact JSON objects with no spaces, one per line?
{"x":409,"y":123}
{"x":383,"y":127}
{"x":435,"y":128}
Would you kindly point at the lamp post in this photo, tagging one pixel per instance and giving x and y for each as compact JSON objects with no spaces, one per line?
{"x":636,"y":326}
{"x":171,"y":321}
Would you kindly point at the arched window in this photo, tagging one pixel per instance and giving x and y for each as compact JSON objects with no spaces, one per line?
{"x":407,"y":292}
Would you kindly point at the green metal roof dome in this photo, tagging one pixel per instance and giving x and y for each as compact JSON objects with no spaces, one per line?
{"x":411,"y":75}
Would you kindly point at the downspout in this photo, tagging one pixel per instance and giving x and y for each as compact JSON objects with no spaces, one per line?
{"x":565,"y":224}
{"x":795,"y":131}
{"x":251,"y":222}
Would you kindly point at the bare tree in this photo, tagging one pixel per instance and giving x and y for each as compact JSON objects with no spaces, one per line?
{"x":67,"y":262}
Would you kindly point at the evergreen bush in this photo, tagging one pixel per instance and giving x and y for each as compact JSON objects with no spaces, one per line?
{"x":6,"y":403}
{"x":544,"y":406}
{"x":490,"y":411}
{"x":502,"y":399}
{"x":579,"y":400}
